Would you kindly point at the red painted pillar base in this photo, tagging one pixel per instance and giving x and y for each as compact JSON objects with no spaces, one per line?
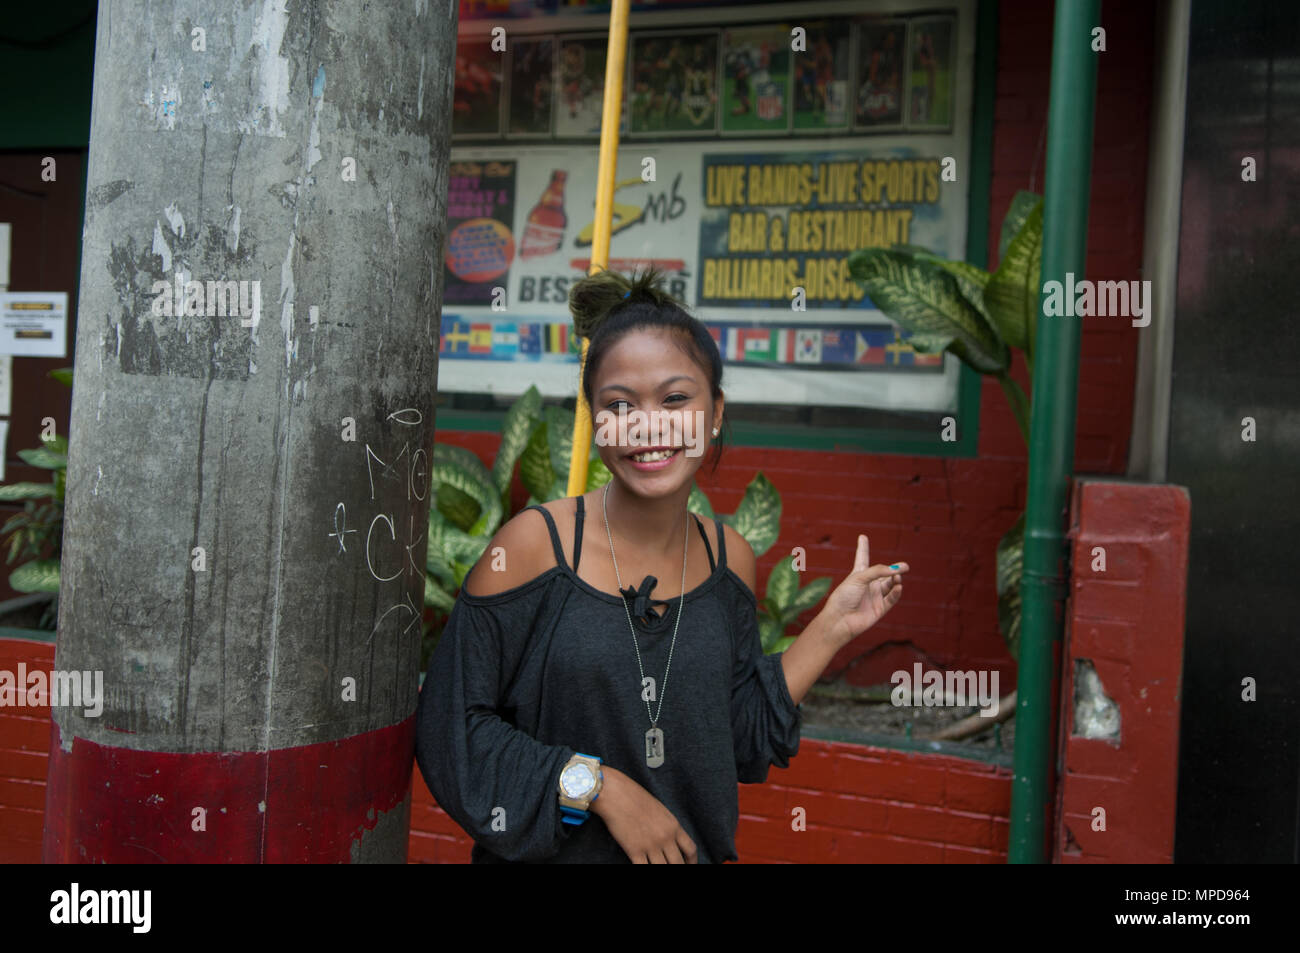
{"x":1124,"y":641}
{"x":318,"y":803}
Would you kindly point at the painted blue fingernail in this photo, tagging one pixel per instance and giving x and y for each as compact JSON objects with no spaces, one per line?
{"x":894,"y":566}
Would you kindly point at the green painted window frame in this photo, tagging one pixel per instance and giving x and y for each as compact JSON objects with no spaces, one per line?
{"x":969,"y":386}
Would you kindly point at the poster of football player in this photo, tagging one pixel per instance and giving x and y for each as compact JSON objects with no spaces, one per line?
{"x":674,"y":83}
{"x":531,"y":82}
{"x":756,"y":79}
{"x":882,"y":49}
{"x":476,"y":98}
{"x":581,"y":101}
{"x":930,"y":72}
{"x":821,"y":77}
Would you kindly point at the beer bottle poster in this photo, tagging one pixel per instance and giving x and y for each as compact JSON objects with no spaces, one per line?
{"x":821,"y":77}
{"x":480,"y":241}
{"x":674,"y":83}
{"x":931,"y":71}
{"x":756,"y":79}
{"x":881,"y":52}
{"x":531,"y":63}
{"x":476,"y":102}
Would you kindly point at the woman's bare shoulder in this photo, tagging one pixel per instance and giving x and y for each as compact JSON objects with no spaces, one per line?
{"x":740,"y":557}
{"x":518,"y":552}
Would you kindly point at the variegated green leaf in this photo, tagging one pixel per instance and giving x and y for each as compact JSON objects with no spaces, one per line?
{"x":535,"y":469}
{"x":436,"y":563}
{"x":1010,"y":567}
{"x":559,"y":440}
{"x":520,"y":420}
{"x":597,"y":473}
{"x":926,"y":300}
{"x":971,"y":280}
{"x":26,"y":491}
{"x":460,"y":571}
{"x":39,"y":575}
{"x":697,"y":502}
{"x":782,"y":644}
{"x":466,"y":459}
{"x":811,"y":594}
{"x":448,"y":544}
{"x":460,"y":510}
{"x":769,"y":633}
{"x":1022,"y":203}
{"x":446,"y":472}
{"x":1035,"y":270}
{"x":758,"y":517}
{"x":45,"y":458}
{"x":436,"y":596}
{"x":783,"y":583}
{"x":1012,"y":294}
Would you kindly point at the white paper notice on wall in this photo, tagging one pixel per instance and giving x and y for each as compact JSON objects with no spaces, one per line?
{"x":6,"y":385}
{"x":34,"y":323}
{"x":4,"y":446}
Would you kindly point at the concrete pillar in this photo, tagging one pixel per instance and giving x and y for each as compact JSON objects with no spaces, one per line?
{"x":247,"y":493}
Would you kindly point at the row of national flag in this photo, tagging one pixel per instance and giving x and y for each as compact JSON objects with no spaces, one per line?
{"x":815,"y":347}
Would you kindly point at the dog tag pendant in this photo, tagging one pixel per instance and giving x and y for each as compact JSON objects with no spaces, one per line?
{"x":654,"y":747}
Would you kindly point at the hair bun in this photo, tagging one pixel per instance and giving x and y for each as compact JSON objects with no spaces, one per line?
{"x":592,"y":299}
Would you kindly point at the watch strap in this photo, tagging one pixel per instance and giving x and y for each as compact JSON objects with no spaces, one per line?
{"x":572,"y":815}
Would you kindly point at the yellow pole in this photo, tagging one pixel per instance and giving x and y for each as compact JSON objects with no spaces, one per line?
{"x":611,"y":115}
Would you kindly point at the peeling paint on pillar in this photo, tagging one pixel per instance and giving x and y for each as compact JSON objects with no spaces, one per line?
{"x":196,"y":431}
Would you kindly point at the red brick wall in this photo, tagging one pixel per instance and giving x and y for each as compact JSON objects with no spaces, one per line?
{"x":860,"y":805}
{"x":24,"y":756}
{"x":1128,"y":621}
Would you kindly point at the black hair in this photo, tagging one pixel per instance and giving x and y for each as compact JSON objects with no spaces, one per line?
{"x":607,"y":305}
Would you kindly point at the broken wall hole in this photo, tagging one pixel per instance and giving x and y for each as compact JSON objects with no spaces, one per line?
{"x":1096,"y":715}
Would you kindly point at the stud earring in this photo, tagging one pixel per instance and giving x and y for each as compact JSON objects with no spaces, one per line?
{"x":715,"y":431}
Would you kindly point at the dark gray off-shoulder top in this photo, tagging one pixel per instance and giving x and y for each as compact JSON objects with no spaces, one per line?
{"x":522,"y":679}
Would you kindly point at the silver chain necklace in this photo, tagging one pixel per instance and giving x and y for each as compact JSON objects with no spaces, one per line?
{"x":654,"y":738}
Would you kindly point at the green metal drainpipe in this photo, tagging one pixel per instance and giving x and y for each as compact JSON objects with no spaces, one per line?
{"x":1051,"y":428}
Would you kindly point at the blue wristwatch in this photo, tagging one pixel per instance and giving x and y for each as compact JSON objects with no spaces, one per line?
{"x":580,"y":784}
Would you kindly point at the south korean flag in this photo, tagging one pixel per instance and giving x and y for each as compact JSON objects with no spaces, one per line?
{"x":808,"y":346}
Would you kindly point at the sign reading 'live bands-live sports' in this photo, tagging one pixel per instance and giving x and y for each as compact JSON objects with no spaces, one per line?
{"x":737,"y":220}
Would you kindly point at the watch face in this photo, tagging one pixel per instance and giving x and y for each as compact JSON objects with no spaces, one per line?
{"x":577,"y":780}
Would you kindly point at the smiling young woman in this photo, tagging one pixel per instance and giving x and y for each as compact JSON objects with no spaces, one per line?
{"x":570,"y":713}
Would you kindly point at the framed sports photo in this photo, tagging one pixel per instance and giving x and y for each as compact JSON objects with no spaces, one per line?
{"x":674,"y":83}
{"x":756,"y":80}
{"x":879,"y":91}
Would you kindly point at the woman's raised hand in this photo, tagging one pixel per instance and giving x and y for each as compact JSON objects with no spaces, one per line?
{"x":864,"y":596}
